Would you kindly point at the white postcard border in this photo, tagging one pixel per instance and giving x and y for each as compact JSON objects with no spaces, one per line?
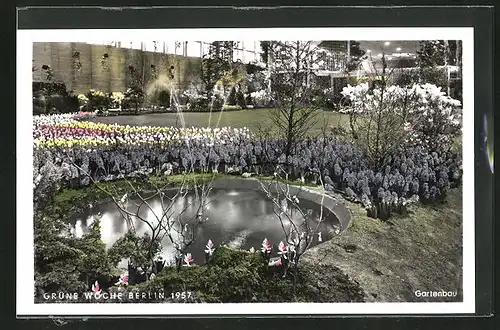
{"x":25,"y":304}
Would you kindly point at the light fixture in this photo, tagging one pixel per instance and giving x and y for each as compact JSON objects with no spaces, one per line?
{"x":368,"y":51}
{"x":387,"y":43}
{"x":398,"y":49}
{"x":380,"y":55}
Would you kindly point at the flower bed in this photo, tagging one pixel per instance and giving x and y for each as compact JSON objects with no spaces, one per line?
{"x":69,"y":133}
{"x":108,"y":151}
{"x":60,"y":118}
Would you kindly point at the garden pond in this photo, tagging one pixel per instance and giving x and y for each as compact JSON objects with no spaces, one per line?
{"x":238,"y":218}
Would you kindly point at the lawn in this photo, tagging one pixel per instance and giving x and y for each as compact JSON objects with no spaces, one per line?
{"x":251,"y":118}
{"x":391,"y":260}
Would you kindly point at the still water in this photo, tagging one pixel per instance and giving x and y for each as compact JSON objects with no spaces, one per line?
{"x":239,"y":219}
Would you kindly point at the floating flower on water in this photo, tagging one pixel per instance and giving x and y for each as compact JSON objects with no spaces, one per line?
{"x":320,"y":239}
{"x":188,"y":259}
{"x":95,"y":287}
{"x":266,"y":246}
{"x":252,"y":250}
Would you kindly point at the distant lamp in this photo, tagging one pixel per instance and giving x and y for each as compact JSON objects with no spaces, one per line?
{"x":387,"y":43}
{"x":368,"y":51}
{"x":398,"y":49}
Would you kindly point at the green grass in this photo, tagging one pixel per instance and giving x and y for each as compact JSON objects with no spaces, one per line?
{"x":251,"y":118}
{"x":391,"y":260}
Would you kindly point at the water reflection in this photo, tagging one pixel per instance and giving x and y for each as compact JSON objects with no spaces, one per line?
{"x":240,"y":219}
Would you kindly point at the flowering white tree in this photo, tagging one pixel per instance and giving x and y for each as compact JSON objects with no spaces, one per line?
{"x":436,"y":119}
{"x":377,"y":118}
{"x":383,"y":118}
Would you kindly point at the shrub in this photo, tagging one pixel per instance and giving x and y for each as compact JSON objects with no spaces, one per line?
{"x":39,"y":103}
{"x":231,"y":99}
{"x":248,"y":100}
{"x":82,"y":100}
{"x":55,"y":103}
{"x":49,"y":88}
{"x":436,"y":121}
{"x":164,"y":98}
{"x":231,"y":276}
{"x":377,"y":118}
{"x":53,"y":98}
{"x":61,"y":103}
{"x":133,"y":98}
{"x":217,"y":102}
{"x":383,"y":118}
{"x":199,"y":103}
{"x":116,"y":99}
{"x":240,"y":99}
{"x":261,"y":99}
{"x":97,"y":100}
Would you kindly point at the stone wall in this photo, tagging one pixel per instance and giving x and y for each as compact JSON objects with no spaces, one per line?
{"x":111,"y":75}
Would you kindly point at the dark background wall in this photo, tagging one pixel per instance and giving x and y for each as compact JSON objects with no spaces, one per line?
{"x":111,"y":75}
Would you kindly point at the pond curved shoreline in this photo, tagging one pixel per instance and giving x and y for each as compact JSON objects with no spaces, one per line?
{"x":335,"y":206}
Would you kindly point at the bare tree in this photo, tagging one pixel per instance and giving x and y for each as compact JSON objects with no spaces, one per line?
{"x":169,"y":220}
{"x":299,"y":227}
{"x":292,"y":89}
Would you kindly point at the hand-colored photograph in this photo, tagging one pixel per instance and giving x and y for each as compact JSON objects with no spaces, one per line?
{"x":247,"y":171}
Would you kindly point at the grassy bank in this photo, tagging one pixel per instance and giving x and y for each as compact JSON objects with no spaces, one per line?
{"x":391,"y":260}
